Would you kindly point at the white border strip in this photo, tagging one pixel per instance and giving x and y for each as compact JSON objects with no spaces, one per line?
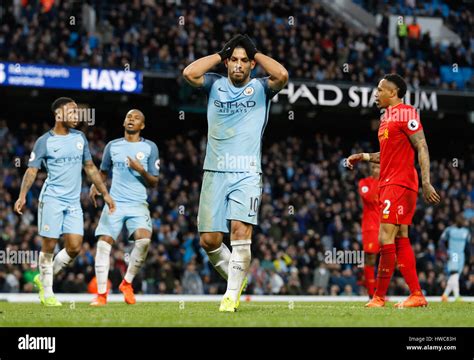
{"x":28,"y":298}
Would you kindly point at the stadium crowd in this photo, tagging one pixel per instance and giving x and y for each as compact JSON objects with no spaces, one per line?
{"x":163,"y":36}
{"x":309,"y":206}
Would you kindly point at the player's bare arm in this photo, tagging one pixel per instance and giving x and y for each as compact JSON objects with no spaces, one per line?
{"x":93,"y":192}
{"x":355,"y":158}
{"x":278,"y":74}
{"x":194,"y":72}
{"x":96,"y":178}
{"x":374,"y":157}
{"x":151,"y":180}
{"x":27,"y":182}
{"x":418,"y":141}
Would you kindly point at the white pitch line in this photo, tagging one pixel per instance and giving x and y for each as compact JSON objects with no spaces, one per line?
{"x":23,"y":298}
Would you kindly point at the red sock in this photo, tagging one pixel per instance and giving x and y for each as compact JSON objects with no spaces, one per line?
{"x":386,"y":268}
{"x":369,"y":272}
{"x":407,"y":263}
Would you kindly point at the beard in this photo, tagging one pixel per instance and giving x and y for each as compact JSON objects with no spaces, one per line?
{"x":131,"y":132}
{"x":238,"y":81}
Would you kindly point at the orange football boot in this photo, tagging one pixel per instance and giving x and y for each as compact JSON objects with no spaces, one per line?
{"x":376,"y":301}
{"x":100,"y":300}
{"x":127,"y":290}
{"x":414,"y":300}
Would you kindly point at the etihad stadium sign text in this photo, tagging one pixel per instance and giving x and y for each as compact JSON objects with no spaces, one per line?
{"x":352,"y":96}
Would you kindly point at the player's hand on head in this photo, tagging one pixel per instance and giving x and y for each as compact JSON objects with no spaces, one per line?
{"x":135,"y":164}
{"x":249,"y":47}
{"x":430,"y":195}
{"x":229,"y":47}
{"x":93,"y":193}
{"x":110,"y":203}
{"x":19,"y":205}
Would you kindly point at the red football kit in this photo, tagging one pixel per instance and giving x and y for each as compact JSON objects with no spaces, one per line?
{"x":369,"y":192}
{"x":398,"y":176}
{"x":397,"y":196}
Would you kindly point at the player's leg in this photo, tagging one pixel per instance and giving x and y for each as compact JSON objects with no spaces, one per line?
{"x":138,"y":254}
{"x":101,"y":266}
{"x":370,"y":244}
{"x":449,"y":287}
{"x":217,"y":251}
{"x":240,"y":240}
{"x":65,"y":257}
{"x":73,"y":231}
{"x":369,"y":272}
{"x":108,"y":229}
{"x":50,"y":221}
{"x":44,"y":281}
{"x":456,"y":285}
{"x":387,"y":260}
{"x":458,"y":265}
{"x":138,"y":223}
{"x":212,"y":222}
{"x":406,"y":205}
{"x":406,"y":260}
{"x":243,"y":203}
{"x":136,"y":261}
{"x":102,"y":262}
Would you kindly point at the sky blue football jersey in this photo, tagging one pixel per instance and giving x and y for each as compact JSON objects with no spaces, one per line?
{"x":127,"y":184}
{"x":63,"y":157}
{"x":236,"y":118}
{"x":457,"y":237}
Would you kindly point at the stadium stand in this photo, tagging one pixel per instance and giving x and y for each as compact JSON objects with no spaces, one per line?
{"x":289,"y":246}
{"x":145,"y":35}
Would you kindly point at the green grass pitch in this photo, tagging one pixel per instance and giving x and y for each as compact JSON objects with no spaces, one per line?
{"x":254,"y":314}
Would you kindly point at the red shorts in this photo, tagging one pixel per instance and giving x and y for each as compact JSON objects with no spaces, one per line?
{"x":370,"y":241}
{"x":397,"y":204}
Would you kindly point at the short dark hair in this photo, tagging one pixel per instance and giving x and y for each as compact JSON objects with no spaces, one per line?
{"x":399,"y":82}
{"x":60,"y":102}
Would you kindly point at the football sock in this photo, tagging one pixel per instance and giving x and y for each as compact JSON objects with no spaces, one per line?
{"x":137,"y":258}
{"x":407,"y":263}
{"x":238,"y":267}
{"x":369,"y":272}
{"x":61,"y":260}
{"x":102,"y":264}
{"x":385,"y":270}
{"x":46,"y":273}
{"x":220,"y":258}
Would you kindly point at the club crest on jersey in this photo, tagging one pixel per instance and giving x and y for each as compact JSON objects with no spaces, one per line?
{"x":80,"y":145}
{"x":248,"y":91}
{"x":140,"y":155}
{"x":383,"y":135}
{"x":365,"y":189}
{"x":413,"y":124}
{"x":32,"y":156}
{"x":157,"y":164}
{"x":46,"y":227}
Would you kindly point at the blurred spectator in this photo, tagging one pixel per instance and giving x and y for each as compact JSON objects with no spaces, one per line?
{"x":192,"y":283}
